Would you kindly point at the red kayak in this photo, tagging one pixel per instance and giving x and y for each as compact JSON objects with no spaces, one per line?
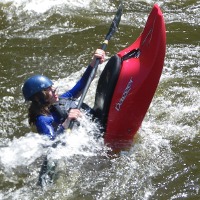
{"x":128,"y":83}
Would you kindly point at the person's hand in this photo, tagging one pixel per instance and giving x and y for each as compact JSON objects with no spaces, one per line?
{"x":99,"y":53}
{"x":73,"y":114}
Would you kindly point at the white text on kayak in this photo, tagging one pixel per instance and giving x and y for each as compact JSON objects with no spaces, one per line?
{"x":125,"y":93}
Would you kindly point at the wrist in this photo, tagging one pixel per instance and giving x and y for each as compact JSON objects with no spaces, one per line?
{"x":65,"y":124}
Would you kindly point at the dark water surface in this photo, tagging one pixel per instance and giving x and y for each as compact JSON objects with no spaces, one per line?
{"x":57,"y":39}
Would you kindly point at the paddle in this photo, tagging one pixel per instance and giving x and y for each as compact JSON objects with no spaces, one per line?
{"x":112,"y":30}
{"x":47,"y":172}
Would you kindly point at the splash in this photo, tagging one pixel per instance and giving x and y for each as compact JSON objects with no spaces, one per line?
{"x":22,"y":151}
{"x":84,"y":140}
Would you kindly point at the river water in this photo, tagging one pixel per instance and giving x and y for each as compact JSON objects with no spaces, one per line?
{"x":57,"y":39}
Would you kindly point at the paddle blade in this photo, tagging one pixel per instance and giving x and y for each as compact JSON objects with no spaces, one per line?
{"x":115,"y":22}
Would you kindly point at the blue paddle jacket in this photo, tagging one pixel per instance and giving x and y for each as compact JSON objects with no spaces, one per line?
{"x":51,"y":125}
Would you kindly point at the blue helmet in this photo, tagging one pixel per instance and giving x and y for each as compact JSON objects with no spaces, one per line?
{"x":34,"y":85}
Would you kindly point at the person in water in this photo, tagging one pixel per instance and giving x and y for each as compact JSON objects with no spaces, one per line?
{"x":50,"y":113}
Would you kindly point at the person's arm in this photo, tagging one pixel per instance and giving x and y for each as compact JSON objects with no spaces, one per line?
{"x":44,"y":126}
{"x":76,"y":91}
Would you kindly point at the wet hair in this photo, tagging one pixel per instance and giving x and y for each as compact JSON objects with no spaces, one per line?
{"x":39,"y":106}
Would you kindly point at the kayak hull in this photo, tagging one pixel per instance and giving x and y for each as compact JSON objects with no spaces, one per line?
{"x":139,"y":68}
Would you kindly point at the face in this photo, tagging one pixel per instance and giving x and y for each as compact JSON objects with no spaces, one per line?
{"x":52,"y":95}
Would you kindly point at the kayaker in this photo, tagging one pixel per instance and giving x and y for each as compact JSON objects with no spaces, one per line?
{"x":49,"y":112}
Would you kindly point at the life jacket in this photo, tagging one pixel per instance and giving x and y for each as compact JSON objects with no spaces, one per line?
{"x":63,"y":106}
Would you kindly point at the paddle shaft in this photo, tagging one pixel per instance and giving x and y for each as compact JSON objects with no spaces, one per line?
{"x":110,"y":33}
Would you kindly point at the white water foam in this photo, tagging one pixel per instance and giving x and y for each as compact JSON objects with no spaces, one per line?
{"x":80,"y":141}
{"x":42,"y":6}
{"x":22,"y":151}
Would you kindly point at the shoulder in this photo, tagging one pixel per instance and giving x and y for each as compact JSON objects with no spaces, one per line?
{"x":67,"y":94}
